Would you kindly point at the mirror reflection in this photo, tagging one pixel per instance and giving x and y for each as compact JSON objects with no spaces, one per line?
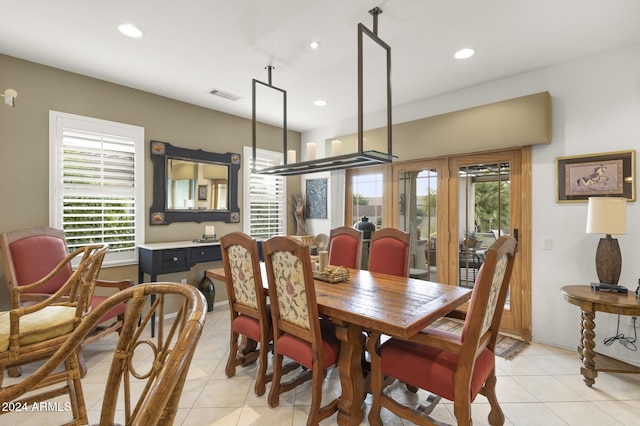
{"x":195,"y":185}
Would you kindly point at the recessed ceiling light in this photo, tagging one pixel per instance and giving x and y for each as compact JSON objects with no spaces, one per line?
{"x":314,"y":45}
{"x":464,"y":53}
{"x":320,"y":102}
{"x":130,"y":30}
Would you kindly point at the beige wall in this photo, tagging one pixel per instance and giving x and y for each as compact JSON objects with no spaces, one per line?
{"x":24,"y":146}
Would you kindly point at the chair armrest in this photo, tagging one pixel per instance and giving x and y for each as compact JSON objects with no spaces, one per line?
{"x":120,"y":285}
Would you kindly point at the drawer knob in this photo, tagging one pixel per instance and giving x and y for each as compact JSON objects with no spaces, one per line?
{"x":175,"y":259}
{"x":201,"y":253}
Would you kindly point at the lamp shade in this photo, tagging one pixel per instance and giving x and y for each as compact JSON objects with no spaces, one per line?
{"x":607,"y":215}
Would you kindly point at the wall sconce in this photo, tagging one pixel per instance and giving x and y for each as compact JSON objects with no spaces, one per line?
{"x":10,"y":96}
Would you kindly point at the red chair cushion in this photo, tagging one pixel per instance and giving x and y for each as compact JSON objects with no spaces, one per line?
{"x":250,"y":327}
{"x":387,"y":255}
{"x":300,"y":350}
{"x":247,"y":326}
{"x":111,"y":313}
{"x":343,"y":251}
{"x":431,"y":369}
{"x":34,"y":257}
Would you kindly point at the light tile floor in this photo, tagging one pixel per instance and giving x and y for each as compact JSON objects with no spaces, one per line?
{"x":541,"y":386}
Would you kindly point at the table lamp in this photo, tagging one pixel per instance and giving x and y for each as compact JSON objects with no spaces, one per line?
{"x":607,"y":215}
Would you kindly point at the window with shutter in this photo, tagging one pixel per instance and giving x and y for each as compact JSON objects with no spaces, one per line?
{"x":97,"y":184}
{"x":265,"y":201}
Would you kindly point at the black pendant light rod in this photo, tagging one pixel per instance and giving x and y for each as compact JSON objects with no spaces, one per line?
{"x":269,"y":68}
{"x":361,"y":158}
{"x":375,"y":12}
{"x":254,"y":135}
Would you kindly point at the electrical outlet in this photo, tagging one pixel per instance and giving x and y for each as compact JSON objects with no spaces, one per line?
{"x":548,"y":243}
{"x":183,"y":281}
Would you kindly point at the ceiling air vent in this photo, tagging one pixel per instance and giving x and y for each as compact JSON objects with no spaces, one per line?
{"x":224,"y":94}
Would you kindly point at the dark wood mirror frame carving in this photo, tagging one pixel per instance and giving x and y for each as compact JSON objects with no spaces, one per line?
{"x":160,"y":215}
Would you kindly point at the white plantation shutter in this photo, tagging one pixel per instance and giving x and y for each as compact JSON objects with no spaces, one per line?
{"x":96,"y":184}
{"x":266,"y":200}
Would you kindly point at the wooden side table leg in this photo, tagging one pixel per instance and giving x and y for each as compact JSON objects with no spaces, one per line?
{"x":580,"y":344}
{"x":588,"y":369}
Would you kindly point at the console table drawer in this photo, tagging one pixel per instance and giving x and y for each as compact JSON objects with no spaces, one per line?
{"x":204,"y":254}
{"x":174,"y":261}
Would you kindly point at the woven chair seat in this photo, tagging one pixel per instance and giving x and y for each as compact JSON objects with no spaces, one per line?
{"x":50,"y":322}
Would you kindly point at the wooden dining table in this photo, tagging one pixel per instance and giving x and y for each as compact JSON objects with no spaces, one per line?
{"x":395,"y":306}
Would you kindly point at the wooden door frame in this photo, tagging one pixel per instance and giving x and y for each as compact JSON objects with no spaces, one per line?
{"x":520,"y":200}
{"x":522,"y":189}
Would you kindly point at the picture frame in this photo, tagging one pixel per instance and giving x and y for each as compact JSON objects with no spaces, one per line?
{"x":609,"y":174}
{"x":202,"y":192}
{"x":316,"y":198}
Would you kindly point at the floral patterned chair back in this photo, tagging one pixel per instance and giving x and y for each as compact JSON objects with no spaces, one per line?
{"x":290,"y":288}
{"x":298,"y":331}
{"x":250,"y":315}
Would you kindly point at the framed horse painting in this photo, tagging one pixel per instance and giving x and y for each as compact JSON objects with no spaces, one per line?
{"x":596,"y":175}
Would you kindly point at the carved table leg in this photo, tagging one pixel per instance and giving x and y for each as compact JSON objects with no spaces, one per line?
{"x":580,"y":345}
{"x":350,"y":405}
{"x":588,"y":369}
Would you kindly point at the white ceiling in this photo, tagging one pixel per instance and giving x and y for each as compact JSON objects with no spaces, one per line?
{"x":193,"y":46}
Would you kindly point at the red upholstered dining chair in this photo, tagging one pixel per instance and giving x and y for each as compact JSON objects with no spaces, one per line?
{"x":345,"y":247}
{"x":298,"y":332}
{"x":30,"y":254}
{"x":389,"y":252}
{"x":247,"y":305}
{"x":451,"y":366}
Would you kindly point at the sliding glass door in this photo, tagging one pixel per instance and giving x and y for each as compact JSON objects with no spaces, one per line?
{"x":417,"y":187}
{"x":455,"y":208}
{"x":486,"y":200}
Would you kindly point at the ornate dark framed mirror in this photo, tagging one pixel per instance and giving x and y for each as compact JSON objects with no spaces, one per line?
{"x":192,"y":185}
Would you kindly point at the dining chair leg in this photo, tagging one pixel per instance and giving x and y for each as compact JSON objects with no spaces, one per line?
{"x":462,"y":411}
{"x":274,"y":393}
{"x":263,"y":377}
{"x":373,"y":343}
{"x":230,"y":370}
{"x":496,"y":416}
{"x":316,"y":396}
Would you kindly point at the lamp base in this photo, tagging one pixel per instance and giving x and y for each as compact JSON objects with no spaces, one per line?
{"x":609,"y":287}
{"x":608,"y":260}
